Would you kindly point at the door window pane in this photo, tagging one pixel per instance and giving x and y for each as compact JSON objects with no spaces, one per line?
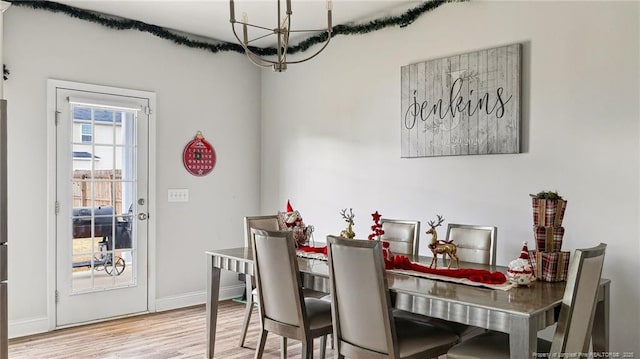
{"x":102,"y":223}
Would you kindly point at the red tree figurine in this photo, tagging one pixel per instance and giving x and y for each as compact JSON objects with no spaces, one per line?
{"x":376,"y":227}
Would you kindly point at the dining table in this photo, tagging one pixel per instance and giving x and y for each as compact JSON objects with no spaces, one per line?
{"x":520,"y":311}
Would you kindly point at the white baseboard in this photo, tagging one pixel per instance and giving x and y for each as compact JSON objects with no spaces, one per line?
{"x":196,"y":298}
{"x":21,"y":328}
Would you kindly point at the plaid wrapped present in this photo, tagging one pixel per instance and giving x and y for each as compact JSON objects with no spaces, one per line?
{"x":548,"y":212}
{"x":548,"y":239}
{"x":550,"y":266}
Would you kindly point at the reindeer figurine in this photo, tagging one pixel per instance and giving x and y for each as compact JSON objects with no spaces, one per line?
{"x":348,"y":232}
{"x":441,"y":247}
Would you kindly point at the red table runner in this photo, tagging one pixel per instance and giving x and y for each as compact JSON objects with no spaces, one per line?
{"x":403,"y":262}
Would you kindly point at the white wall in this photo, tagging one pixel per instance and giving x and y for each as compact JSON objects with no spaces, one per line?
{"x":330,"y":138}
{"x":196,"y":90}
{"x":331,"y":134}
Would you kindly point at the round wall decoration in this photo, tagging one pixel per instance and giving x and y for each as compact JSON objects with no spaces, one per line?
{"x":198,"y":156}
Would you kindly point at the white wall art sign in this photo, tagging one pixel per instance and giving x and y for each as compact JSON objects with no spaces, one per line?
{"x":466,"y":104}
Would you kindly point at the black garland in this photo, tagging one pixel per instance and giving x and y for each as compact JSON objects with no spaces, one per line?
{"x":403,"y":20}
{"x":125,"y":24}
{"x":118,"y":23}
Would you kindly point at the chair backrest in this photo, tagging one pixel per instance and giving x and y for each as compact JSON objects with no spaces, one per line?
{"x":277,"y":277}
{"x":403,"y":236}
{"x":573,"y":332}
{"x":476,"y":244}
{"x":360,"y":298}
{"x":268,"y":223}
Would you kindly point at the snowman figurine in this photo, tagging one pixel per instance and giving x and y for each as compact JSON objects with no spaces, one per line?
{"x":519,"y":270}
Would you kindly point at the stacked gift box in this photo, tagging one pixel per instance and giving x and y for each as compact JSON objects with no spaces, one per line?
{"x":550,"y":263}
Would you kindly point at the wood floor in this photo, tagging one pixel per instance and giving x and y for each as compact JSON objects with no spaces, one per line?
{"x":173,"y":334}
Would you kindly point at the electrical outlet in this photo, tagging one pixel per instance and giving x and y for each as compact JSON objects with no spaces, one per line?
{"x":178,"y":195}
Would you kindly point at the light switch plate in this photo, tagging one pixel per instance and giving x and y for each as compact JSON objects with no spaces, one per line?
{"x":178,"y":195}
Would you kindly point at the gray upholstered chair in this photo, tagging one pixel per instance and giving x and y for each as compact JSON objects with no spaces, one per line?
{"x":403,"y":236}
{"x":269,"y":223}
{"x":364,"y":325}
{"x":283,"y":308}
{"x":573,"y":331}
{"x":476,"y":244}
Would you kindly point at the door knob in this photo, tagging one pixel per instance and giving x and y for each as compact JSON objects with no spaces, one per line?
{"x":142,"y":216}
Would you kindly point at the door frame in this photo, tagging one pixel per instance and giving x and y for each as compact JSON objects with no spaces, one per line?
{"x":52,"y":85}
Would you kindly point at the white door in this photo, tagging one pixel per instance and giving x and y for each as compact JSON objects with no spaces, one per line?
{"x":101,"y":205}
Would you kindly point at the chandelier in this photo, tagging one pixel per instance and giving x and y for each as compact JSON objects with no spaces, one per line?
{"x":282,"y":32}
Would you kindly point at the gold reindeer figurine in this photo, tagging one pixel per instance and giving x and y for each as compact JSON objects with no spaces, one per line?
{"x":348,"y":232}
{"x":441,"y":247}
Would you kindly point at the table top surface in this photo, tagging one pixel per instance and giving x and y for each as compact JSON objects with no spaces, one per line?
{"x":523,"y":301}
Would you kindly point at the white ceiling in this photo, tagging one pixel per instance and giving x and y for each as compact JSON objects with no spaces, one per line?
{"x":210,"y":18}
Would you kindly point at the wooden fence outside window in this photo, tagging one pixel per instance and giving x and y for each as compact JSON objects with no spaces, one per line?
{"x":106,"y":191}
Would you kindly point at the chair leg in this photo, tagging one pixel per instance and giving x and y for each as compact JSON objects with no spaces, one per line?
{"x":283,"y":347}
{"x":323,"y":346}
{"x":247,"y":310}
{"x":307,"y":349}
{"x":262,"y":340}
{"x":335,"y":346}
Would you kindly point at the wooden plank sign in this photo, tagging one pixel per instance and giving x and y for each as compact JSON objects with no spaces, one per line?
{"x":466,"y":104}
